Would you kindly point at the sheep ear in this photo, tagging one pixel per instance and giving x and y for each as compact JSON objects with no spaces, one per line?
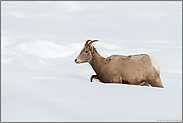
{"x":91,"y":48}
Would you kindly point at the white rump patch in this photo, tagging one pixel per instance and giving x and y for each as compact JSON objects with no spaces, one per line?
{"x":155,"y":65}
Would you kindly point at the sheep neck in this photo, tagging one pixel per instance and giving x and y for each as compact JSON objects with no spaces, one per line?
{"x":97,"y":61}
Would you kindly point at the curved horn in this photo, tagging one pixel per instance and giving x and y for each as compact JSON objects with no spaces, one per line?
{"x":92,"y":42}
{"x":87,"y":42}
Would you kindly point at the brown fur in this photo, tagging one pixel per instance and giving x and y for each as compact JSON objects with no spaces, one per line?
{"x":133,"y":69}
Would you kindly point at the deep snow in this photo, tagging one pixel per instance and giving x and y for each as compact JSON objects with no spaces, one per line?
{"x":41,"y":82}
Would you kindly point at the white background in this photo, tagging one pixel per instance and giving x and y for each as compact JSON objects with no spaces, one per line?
{"x":41,"y":82}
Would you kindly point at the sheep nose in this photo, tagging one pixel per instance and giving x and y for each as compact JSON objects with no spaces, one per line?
{"x":75,"y":60}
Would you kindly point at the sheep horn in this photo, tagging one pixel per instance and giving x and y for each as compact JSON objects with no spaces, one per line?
{"x":92,"y":42}
{"x":87,"y":42}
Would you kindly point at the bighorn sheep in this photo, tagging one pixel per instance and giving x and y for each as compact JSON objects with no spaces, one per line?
{"x":133,"y":69}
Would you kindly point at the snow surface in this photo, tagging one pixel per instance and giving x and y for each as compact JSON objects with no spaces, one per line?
{"x":41,"y":82}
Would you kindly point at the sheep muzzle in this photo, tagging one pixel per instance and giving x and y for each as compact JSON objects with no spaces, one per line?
{"x":77,"y":61}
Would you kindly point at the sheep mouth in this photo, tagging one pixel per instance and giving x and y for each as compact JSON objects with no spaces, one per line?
{"x":77,"y":62}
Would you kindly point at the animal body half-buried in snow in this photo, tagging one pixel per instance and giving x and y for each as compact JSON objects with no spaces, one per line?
{"x":133,"y":69}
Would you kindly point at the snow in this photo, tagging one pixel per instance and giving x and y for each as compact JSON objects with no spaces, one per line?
{"x":41,"y":82}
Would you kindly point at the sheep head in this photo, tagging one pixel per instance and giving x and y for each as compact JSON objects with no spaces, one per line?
{"x":86,"y":53}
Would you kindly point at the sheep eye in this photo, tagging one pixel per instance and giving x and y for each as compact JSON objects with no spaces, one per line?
{"x":86,"y":51}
